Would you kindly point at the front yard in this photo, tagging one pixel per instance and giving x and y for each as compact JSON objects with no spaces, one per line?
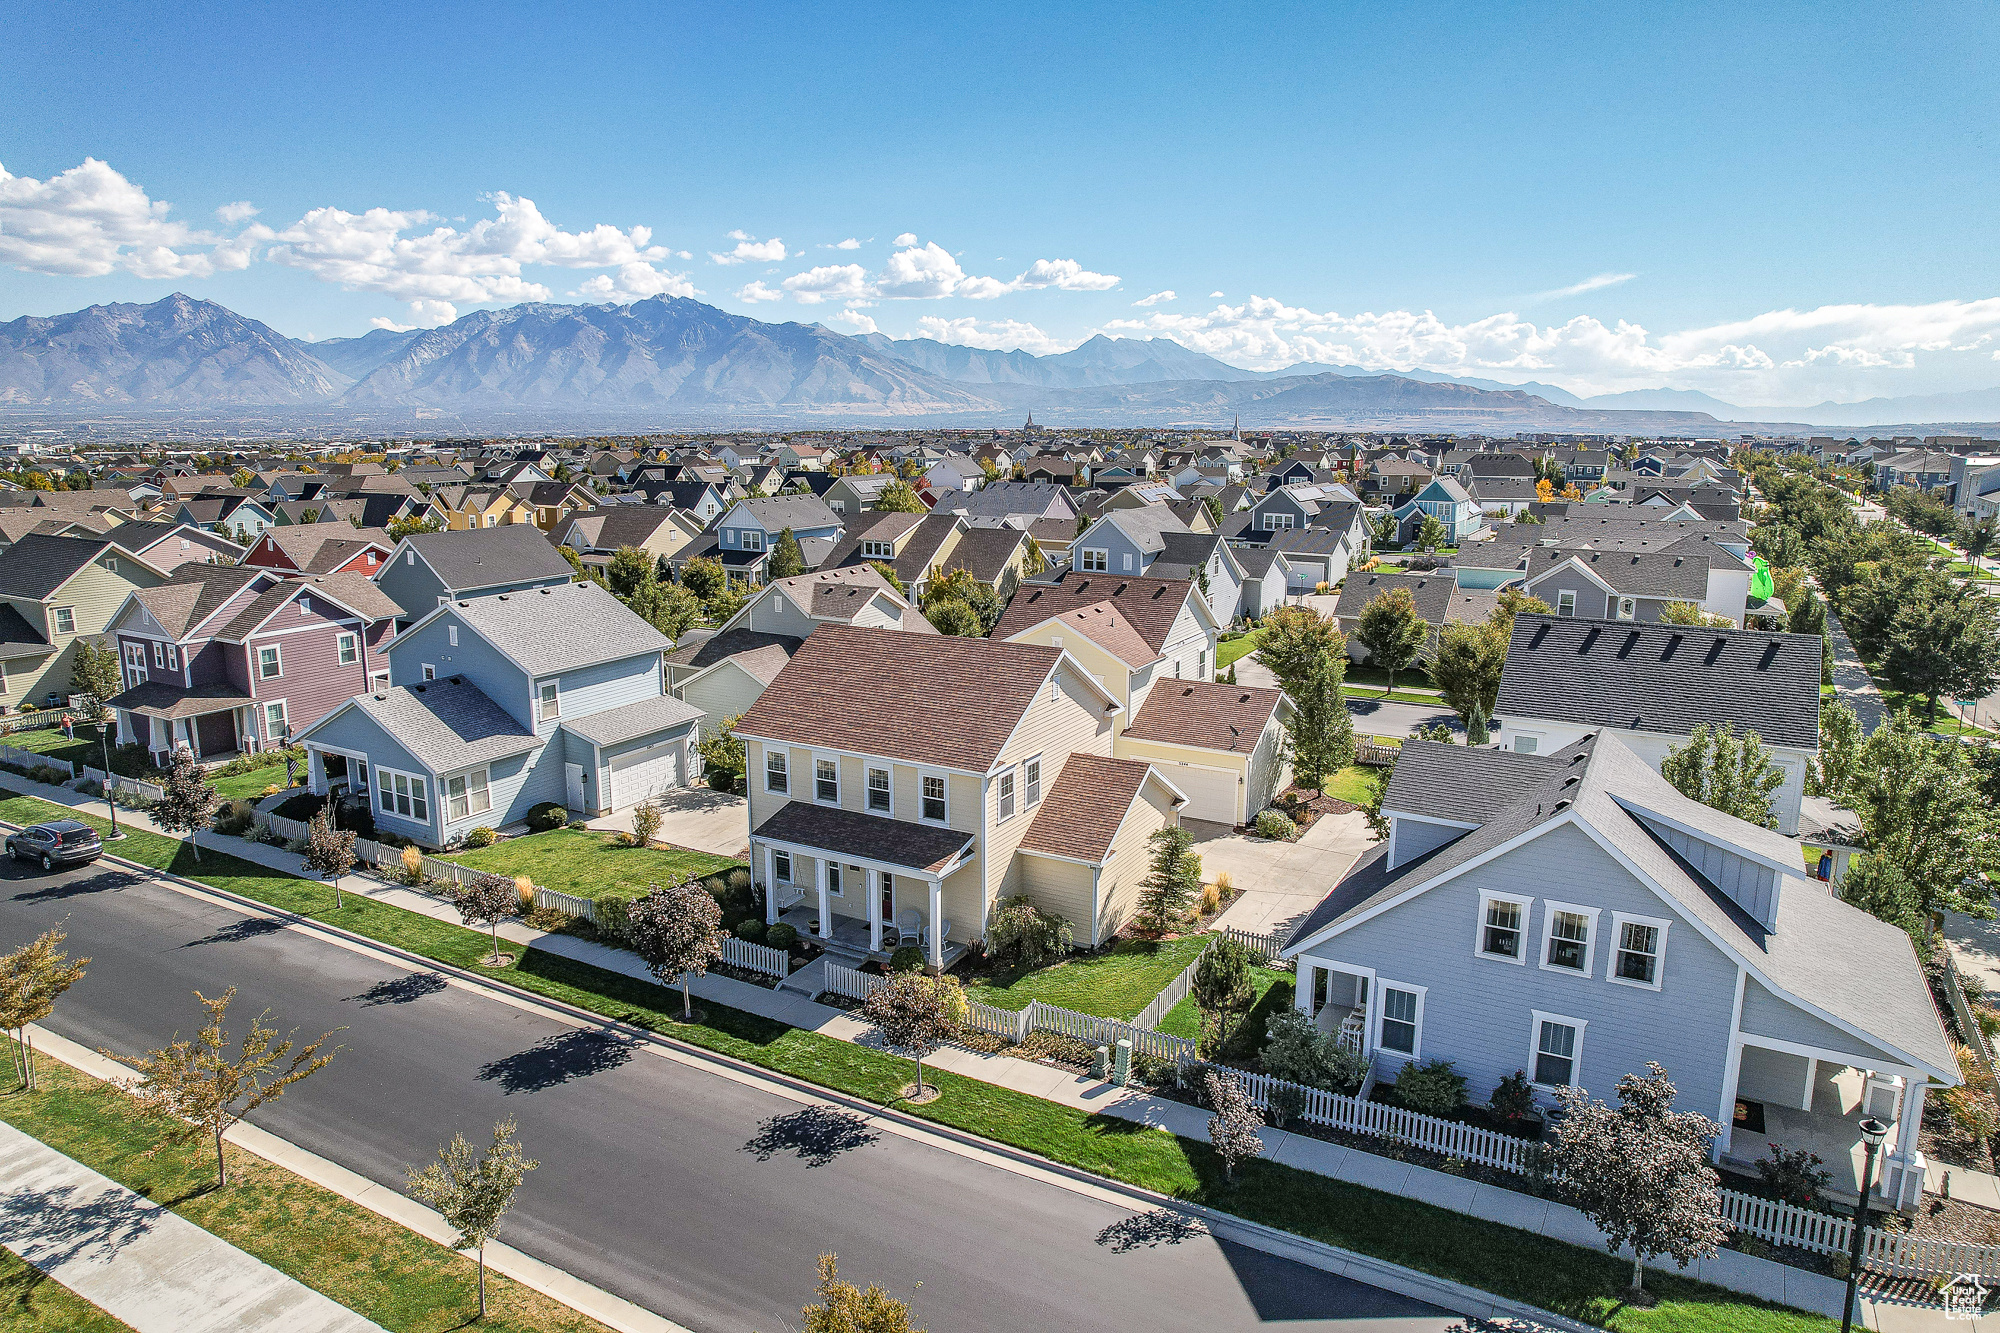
{"x":1115,"y":984}
{"x":588,"y":863}
{"x":1274,"y":990}
{"x":1232,"y":650}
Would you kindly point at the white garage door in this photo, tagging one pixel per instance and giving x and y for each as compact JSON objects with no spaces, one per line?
{"x":644,"y":772}
{"x":1211,"y":792}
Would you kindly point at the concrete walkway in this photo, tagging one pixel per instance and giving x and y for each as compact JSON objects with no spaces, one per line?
{"x":137,"y":1261}
{"x":1728,"y":1268}
{"x":1851,"y":682}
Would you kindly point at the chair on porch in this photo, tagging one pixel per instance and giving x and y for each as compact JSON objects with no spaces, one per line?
{"x":789,"y":896}
{"x":909,"y":926}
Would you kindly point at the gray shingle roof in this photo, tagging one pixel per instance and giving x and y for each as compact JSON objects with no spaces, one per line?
{"x":38,"y":564}
{"x":447,"y":724}
{"x":17,"y":637}
{"x":1662,"y":574}
{"x":546,"y":630}
{"x":1437,"y":596}
{"x":779,"y":512}
{"x":1461,"y":785}
{"x":1663,"y":678}
{"x":617,"y":725}
{"x":482,"y":557}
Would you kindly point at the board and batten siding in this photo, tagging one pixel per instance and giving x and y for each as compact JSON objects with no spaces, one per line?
{"x":1477,"y":1012}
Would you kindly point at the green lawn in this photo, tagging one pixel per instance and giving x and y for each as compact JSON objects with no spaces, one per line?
{"x":31,"y":1302}
{"x":1568,"y":1279}
{"x":1401,"y":695}
{"x":250,"y":785}
{"x":367,"y":1263}
{"x":85,"y":749}
{"x":587,"y":863}
{"x":1117,"y":984}
{"x":1234,"y":649}
{"x":1274,"y":995}
{"x":1354,"y":784}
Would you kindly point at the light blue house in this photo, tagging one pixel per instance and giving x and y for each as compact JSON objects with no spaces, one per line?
{"x":745,"y":535}
{"x":429,"y":569}
{"x":1572,"y":916}
{"x":1449,"y":503}
{"x":498,"y":704}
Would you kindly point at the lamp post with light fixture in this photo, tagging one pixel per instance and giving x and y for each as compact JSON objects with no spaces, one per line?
{"x":1873,"y":1132}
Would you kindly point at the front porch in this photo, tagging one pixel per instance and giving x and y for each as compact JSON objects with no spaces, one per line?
{"x":852,"y":940}
{"x":214,"y":723}
{"x":1816,"y":1103}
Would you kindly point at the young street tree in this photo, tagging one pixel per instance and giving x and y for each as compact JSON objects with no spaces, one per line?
{"x":473,"y":1192}
{"x":1640,"y":1171}
{"x":1392,"y":631}
{"x":677,"y":929}
{"x":487,"y":900}
{"x":1232,"y":1130}
{"x":329,"y":852}
{"x":32,"y":978}
{"x":787,"y":560}
{"x":1727,"y":772}
{"x":1294,"y":640}
{"x":1171,"y":882}
{"x":845,"y":1308}
{"x":1222,"y":990}
{"x":187,"y":803}
{"x":916,"y":1014}
{"x":207,"y":1089}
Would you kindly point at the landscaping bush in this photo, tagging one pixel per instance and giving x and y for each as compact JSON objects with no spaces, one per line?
{"x":549,"y":919}
{"x":734,"y":893}
{"x":546,"y":816}
{"x":524,"y":888}
{"x":909,"y":958}
{"x":1285,"y":1102}
{"x":1277,"y":826}
{"x":782,"y":936}
{"x":1795,"y":1175}
{"x":1298,"y":1052}
{"x":481,"y":837}
{"x":645,"y":824}
{"x":1513,"y":1100}
{"x":1432,"y":1088}
{"x":750,"y":930}
{"x":413,"y":866}
{"x":235,"y":818}
{"x":1024,"y":935}
{"x":612,"y":914}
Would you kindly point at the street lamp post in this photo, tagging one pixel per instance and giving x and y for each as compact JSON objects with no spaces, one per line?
{"x":110,"y":792}
{"x":1873,"y":1131}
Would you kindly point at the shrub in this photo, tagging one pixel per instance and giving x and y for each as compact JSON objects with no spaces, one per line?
{"x":1513,"y":1099}
{"x":645,"y":823}
{"x":1277,"y":826}
{"x":612,"y":914}
{"x":1794,"y":1175}
{"x":1285,"y":1102}
{"x":1211,"y":898}
{"x":1298,"y":1052}
{"x":549,"y":919}
{"x":1025,"y":935}
{"x":481,"y":837}
{"x":524,"y":888}
{"x":908,"y":958}
{"x":235,"y":818}
{"x":733,"y":891}
{"x":1432,"y":1088}
{"x":1154,"y":1070}
{"x":750,"y":930}
{"x":548,"y":815}
{"x":782,"y":936}
{"x":413,"y":866}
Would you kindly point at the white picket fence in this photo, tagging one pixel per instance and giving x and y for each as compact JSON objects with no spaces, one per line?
{"x":1892,"y":1252}
{"x":1095,"y":1031}
{"x":11,"y":754}
{"x":34,"y":721}
{"x":755,"y":957}
{"x":152,"y":791}
{"x":1264,"y":946}
{"x":569,"y":904}
{"x":848,"y":983}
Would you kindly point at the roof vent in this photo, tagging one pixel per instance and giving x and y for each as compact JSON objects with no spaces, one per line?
{"x":1559,"y":807}
{"x":1715,"y":651}
{"x":416,"y":689}
{"x":1187,"y":692}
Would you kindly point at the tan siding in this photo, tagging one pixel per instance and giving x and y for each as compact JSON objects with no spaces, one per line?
{"x":1105,"y":669}
{"x":1055,"y":728}
{"x":1063,"y":887}
{"x":723,"y":693}
{"x":1118,"y":887}
{"x":96,"y":594}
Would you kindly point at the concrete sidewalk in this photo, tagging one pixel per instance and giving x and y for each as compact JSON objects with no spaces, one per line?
{"x":137,"y":1261}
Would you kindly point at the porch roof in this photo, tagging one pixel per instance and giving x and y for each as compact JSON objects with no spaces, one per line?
{"x":158,"y":699}
{"x":866,"y":837}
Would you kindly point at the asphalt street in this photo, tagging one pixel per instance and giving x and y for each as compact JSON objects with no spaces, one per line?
{"x":1383,"y":717}
{"x":692,"y":1194}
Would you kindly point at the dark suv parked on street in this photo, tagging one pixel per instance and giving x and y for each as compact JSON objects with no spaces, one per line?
{"x":60,"y":842}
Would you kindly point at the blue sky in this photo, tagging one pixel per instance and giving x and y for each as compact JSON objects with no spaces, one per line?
{"x":1775,"y":204}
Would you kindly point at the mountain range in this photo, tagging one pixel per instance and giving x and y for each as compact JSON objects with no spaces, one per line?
{"x":675,"y":357}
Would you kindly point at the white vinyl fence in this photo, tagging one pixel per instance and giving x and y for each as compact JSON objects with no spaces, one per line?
{"x":1892,"y":1252}
{"x":11,"y":754}
{"x":755,"y":957}
{"x":1263,"y":946}
{"x":32,"y":721}
{"x":569,"y":904}
{"x":152,"y":791}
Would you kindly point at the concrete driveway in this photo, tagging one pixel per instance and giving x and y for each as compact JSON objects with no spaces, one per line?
{"x":1281,"y":881}
{"x":696,"y":818}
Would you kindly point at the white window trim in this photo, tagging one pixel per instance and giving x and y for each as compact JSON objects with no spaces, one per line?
{"x":1566,"y":603}
{"x":744,"y":539}
{"x":378,"y":680}
{"x":279,"y":656}
{"x":277,"y":733}
{"x":1101,"y":564}
{"x":1376,"y":1011}
{"x":341,"y":644}
{"x":430,"y":672}
{"x":1619,"y":920}
{"x":781,"y":865}
{"x":1001,"y":812}
{"x":1537,"y":1018}
{"x":944,"y":779}
{"x":451,"y":635}
{"x":1031,"y":787}
{"x":56,"y":613}
{"x":817,"y":760}
{"x":784,"y":759}
{"x":868,"y":789}
{"x":548,"y":709}
{"x":1625,"y":608}
{"x":484,"y":770}
{"x":385,"y":782}
{"x":159,"y":655}
{"x":1549,"y":909}
{"x":1487,"y":897}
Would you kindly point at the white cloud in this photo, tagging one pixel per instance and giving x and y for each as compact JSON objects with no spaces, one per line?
{"x":857,"y":321}
{"x":634,"y":282}
{"x":996,"y":335}
{"x":750,"y":250}
{"x":828,"y":282}
{"x":240,"y":211}
{"x":849,"y":244}
{"x":1155,"y":298}
{"x":1066,"y":274}
{"x":929,"y":272}
{"x":423,"y":315}
{"x":907,"y":238}
{"x":1214,"y":296}
{"x":90,"y":221}
{"x":1598,"y":283}
{"x":757,"y":291}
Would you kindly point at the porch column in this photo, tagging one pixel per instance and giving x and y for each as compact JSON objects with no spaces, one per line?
{"x":1908,"y":1123}
{"x":872,"y":878}
{"x":1302,"y":998}
{"x":825,"y":907}
{"x":770,"y":885}
{"x":316,"y":770}
{"x":936,"y":923}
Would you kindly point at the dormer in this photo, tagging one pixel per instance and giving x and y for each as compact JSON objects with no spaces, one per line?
{"x":1749,"y":869}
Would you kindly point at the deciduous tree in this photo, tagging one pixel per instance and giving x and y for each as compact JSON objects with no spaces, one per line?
{"x":899,"y":497}
{"x":916,"y":1013}
{"x":844,"y":1308}
{"x":1727,"y":772}
{"x":1293,"y":639}
{"x":1832,"y":769}
{"x":1924,"y":818}
{"x":94,"y":670}
{"x":1320,"y":731}
{"x":676,"y":929}
{"x":1392,"y":631}
{"x":329,"y":851}
{"x":1232,"y":1130}
{"x":187,"y":803}
{"x":486,"y":900}
{"x":32,"y":978}
{"x":473,"y":1192}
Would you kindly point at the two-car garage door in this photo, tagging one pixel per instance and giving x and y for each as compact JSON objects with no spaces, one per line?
{"x":646,"y":771}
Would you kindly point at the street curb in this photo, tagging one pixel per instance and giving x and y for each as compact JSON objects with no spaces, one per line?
{"x":1456,"y":1297}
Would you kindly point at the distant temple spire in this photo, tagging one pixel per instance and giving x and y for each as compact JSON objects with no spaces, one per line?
{"x":1236,"y":427}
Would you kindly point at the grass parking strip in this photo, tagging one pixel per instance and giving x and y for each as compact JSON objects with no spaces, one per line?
{"x":1567,"y":1279}
{"x":33,"y":1302}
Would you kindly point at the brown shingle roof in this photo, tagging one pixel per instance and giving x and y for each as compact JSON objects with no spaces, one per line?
{"x":1212,"y":716}
{"x":1151,"y":605}
{"x":849,"y":832}
{"x":923,"y":698}
{"x":1103,"y":626}
{"x":1085,"y":805}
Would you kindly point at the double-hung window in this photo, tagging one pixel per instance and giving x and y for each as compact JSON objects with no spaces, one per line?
{"x":1557,"y":1049}
{"x":270,"y":663}
{"x":753,"y":540}
{"x":468,"y":794}
{"x":1566,"y":603}
{"x":1096,"y":561}
{"x":1402,"y":1019}
{"x":1032,"y":771}
{"x":777,"y":777}
{"x":1006,"y":796}
{"x":1569,"y":938}
{"x":548,"y":701}
{"x":878,"y":790}
{"x":65,"y":619}
{"x":1502,"y":927}
{"x":826,"y":781}
{"x":347,"y":648}
{"x":274,"y":720}
{"x":934,"y":805}
{"x":160,"y":655}
{"x":1640,"y":944}
{"x":403,"y":794}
